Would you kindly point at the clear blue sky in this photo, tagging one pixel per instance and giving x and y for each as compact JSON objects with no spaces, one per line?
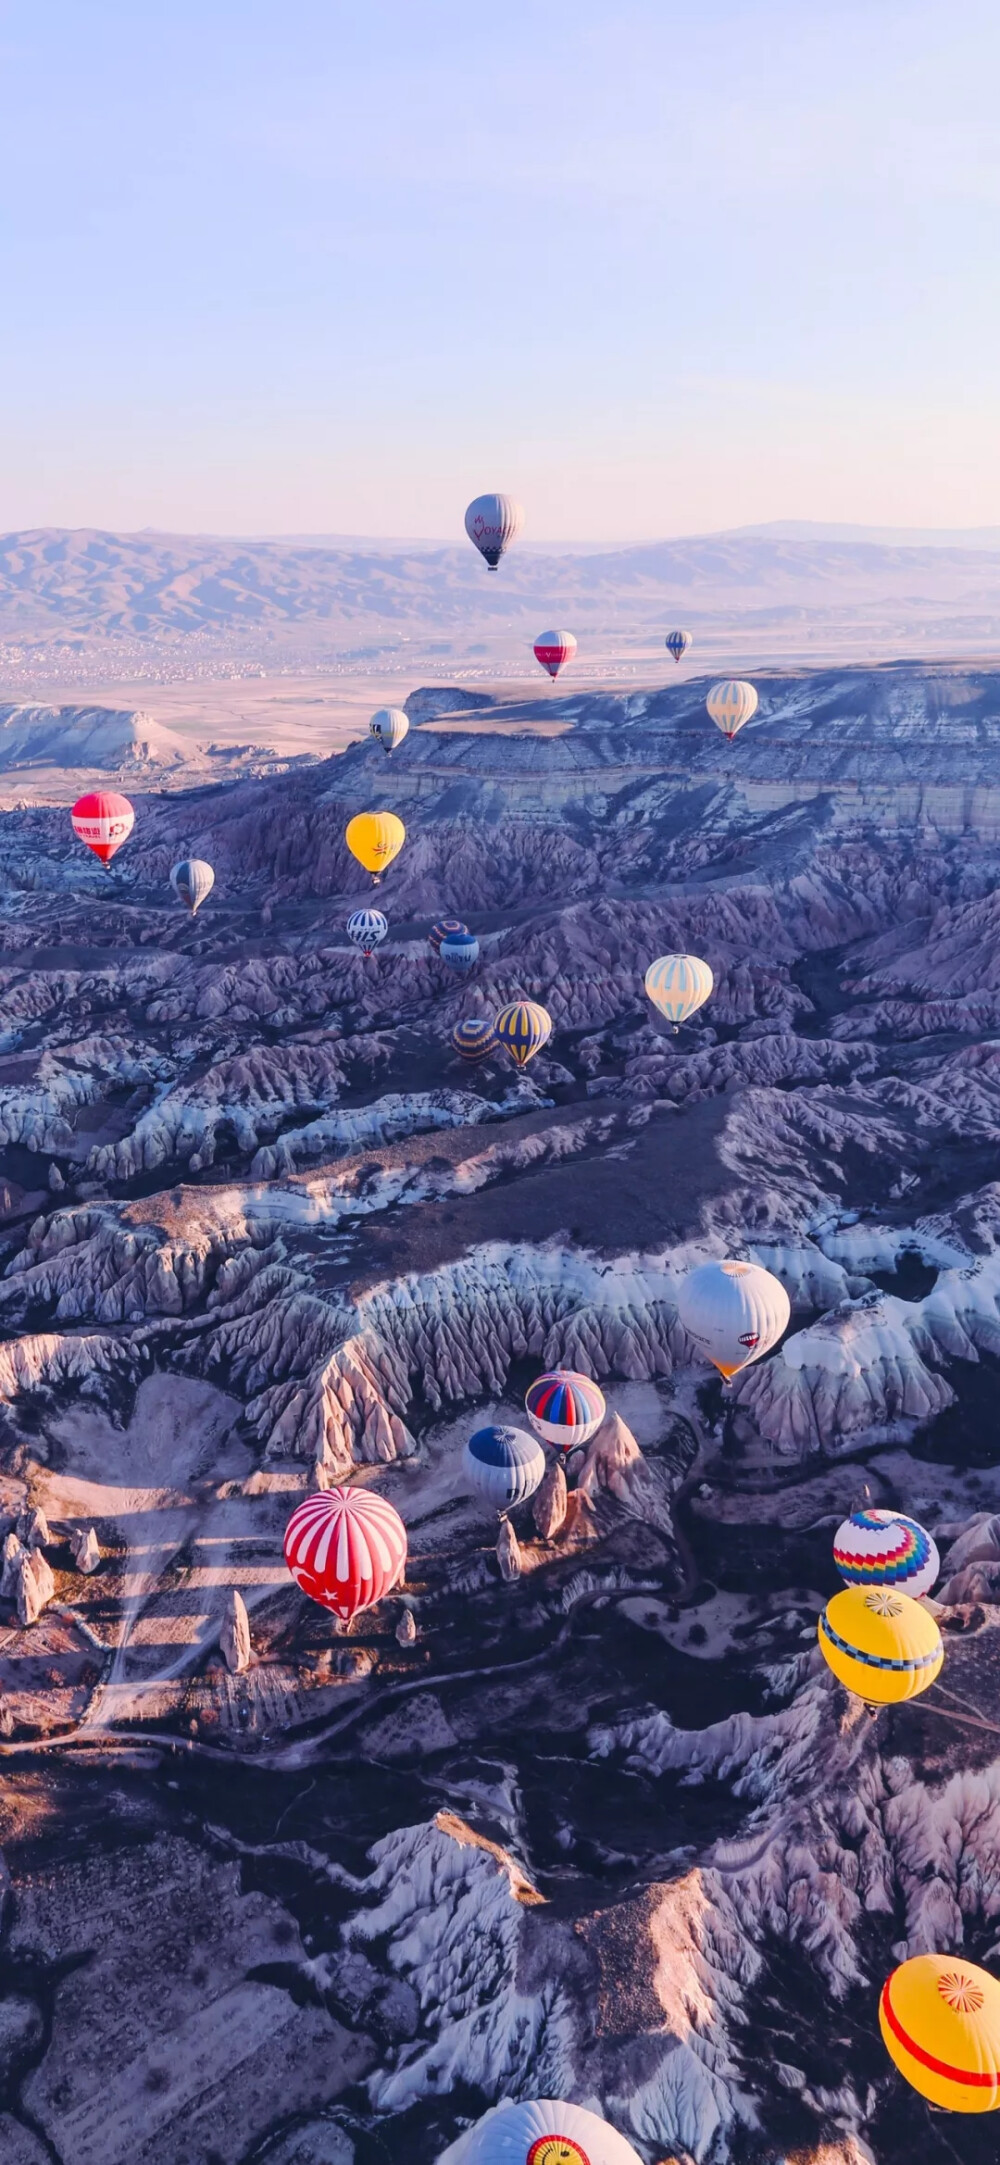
{"x":655,"y":266}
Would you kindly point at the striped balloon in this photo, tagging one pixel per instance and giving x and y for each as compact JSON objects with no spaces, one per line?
{"x":367,"y":929}
{"x":565,"y":1408}
{"x":730,"y":705}
{"x":389,"y":726}
{"x":475,"y":1037}
{"x":504,"y":1465}
{"x":492,"y":523}
{"x":677,"y":643}
{"x":553,"y":649}
{"x":103,"y":820}
{"x":940,"y":2020}
{"x":678,"y":985}
{"x":345,"y":1547}
{"x":441,"y":931}
{"x":523,"y":1028}
{"x":882,"y":1548}
{"x":192,"y":881}
{"x":460,"y":950}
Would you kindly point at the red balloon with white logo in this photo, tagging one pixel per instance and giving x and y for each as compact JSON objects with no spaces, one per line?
{"x":554,"y":649}
{"x":103,"y":820}
{"x":345,"y":1547}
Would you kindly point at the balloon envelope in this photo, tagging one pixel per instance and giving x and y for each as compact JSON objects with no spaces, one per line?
{"x":389,"y":726}
{"x":367,"y":929}
{"x":192,"y":880}
{"x":103,"y":820}
{"x":375,"y":838}
{"x":523,"y":1028}
{"x":882,"y":1548}
{"x":441,"y":931}
{"x":677,"y":643}
{"x":345,"y":1547}
{"x":553,"y":649}
{"x":731,"y":704}
{"x":940,"y":2021}
{"x":460,"y":950}
{"x":678,"y":985}
{"x":492,"y":523}
{"x":504,"y":1465}
{"x":884,"y":1646}
{"x":564,"y":1407}
{"x":541,"y":2131}
{"x":735,"y":1312}
{"x":475,"y":1037}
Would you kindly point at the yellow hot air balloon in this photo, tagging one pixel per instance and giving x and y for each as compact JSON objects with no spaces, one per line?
{"x":940,"y":2022}
{"x":375,"y":838}
{"x":884,"y":1646}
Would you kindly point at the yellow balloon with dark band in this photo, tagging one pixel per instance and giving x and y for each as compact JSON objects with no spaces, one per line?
{"x":940,"y":2021}
{"x":375,"y":838}
{"x":523,"y":1028}
{"x":883,"y":1645}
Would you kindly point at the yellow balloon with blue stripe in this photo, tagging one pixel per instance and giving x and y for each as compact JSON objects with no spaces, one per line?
{"x":678,"y":985}
{"x":884,"y":1646}
{"x":523,"y":1028}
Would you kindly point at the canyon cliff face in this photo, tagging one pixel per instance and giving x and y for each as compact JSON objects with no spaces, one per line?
{"x":577,"y":1810}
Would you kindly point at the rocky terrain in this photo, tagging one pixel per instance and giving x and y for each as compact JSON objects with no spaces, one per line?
{"x":579,"y":1812}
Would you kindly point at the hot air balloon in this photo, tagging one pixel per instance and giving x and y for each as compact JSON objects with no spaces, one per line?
{"x":678,"y":985}
{"x":677,"y":643}
{"x":460,"y":950}
{"x":882,"y":1548}
{"x":367,"y":929}
{"x":345,"y":1547}
{"x":492,"y":523}
{"x":441,"y":931}
{"x":104,"y":821}
{"x":375,"y":838}
{"x":884,"y":1646}
{"x":389,"y":726}
{"x":193,"y":880}
{"x":940,"y":2021}
{"x":524,"y":1028}
{"x":565,"y":1408}
{"x":554,"y":649}
{"x":475,"y":1037}
{"x":735,"y":1312}
{"x":505,"y":1465}
{"x":730,"y":705}
{"x":541,"y":2131}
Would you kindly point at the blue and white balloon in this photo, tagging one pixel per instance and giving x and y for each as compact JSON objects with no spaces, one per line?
{"x":503,"y":1465}
{"x":367,"y":929}
{"x":460,"y":950}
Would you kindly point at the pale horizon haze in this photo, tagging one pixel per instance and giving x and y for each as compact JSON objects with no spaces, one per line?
{"x":662,"y":267}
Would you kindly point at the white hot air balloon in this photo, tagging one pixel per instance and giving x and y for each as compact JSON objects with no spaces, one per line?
{"x":192,"y":880}
{"x":678,"y":985}
{"x":730,"y":705}
{"x":492,"y":523}
{"x":389,"y":725}
{"x":541,"y":2131}
{"x":735,"y":1313}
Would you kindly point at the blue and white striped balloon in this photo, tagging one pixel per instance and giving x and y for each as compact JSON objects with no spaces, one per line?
{"x":503,"y":1465}
{"x":678,"y":985}
{"x":367,"y":929}
{"x":677,"y":643}
{"x":731,"y":704}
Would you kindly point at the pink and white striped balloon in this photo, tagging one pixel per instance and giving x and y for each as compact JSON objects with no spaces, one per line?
{"x":345,"y":1547}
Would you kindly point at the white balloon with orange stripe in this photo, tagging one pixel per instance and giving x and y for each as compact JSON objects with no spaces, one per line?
{"x":346,"y":1548}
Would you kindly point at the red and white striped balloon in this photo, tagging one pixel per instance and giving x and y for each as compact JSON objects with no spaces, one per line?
{"x":103,"y":820}
{"x":553,"y":649}
{"x":345,"y":1547}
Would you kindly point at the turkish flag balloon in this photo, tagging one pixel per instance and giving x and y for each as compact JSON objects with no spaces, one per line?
{"x":104,"y":821}
{"x":553,"y":649}
{"x":345,"y":1547}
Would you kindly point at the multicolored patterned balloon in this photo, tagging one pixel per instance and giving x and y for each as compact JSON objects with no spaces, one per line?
{"x":443,"y":929}
{"x":475,"y":1037}
{"x":564,"y":1407}
{"x":882,"y":1548}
